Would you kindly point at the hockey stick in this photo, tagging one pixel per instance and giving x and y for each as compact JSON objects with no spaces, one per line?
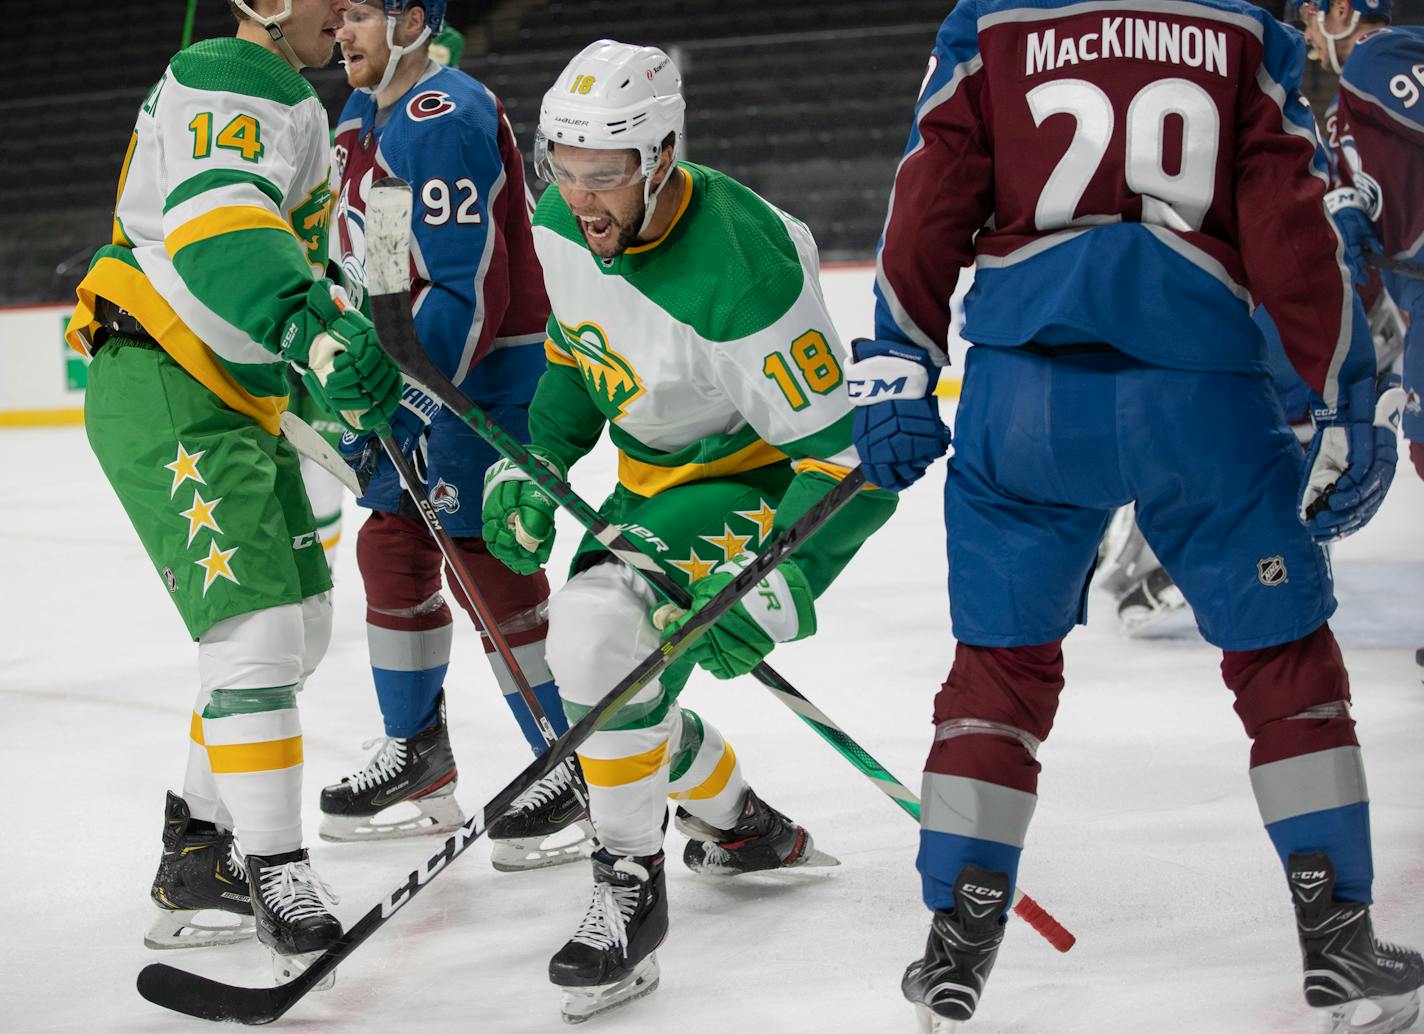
{"x":388,"y":259}
{"x":471,"y":590}
{"x":207,"y":999}
{"x":1408,"y":270}
{"x":309,"y":442}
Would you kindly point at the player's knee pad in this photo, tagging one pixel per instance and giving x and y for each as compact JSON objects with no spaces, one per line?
{"x":1017,"y":686}
{"x":317,"y":614}
{"x":519,"y":601}
{"x":399,"y":563}
{"x":256,"y":650}
{"x":598,"y":630}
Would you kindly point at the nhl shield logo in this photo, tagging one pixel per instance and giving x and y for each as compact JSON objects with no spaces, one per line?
{"x":171,"y":579}
{"x":1271,"y":571}
{"x":445,"y":497}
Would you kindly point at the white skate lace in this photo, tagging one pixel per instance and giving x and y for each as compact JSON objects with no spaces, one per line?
{"x":293,"y":891}
{"x":605,"y":925}
{"x":544,"y":791}
{"x":715,"y":854}
{"x":385,"y":764}
{"x":233,"y":862}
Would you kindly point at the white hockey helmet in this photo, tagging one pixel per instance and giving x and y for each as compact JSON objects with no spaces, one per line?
{"x":613,"y":96}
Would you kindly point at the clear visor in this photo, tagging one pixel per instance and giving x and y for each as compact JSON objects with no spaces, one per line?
{"x":586,"y":168}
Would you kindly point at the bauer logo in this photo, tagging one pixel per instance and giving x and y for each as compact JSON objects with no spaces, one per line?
{"x":1271,"y":571}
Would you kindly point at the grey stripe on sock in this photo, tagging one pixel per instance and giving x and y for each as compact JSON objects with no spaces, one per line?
{"x":974,"y":808}
{"x":1332,"y":778}
{"x":408,"y":651}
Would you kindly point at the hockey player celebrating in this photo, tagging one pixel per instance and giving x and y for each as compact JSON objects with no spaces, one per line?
{"x":480,"y":308}
{"x":1135,"y":183}
{"x":211,"y":286}
{"x":687,"y":319}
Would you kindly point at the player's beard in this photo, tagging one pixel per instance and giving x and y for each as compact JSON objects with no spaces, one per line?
{"x":628,"y":230}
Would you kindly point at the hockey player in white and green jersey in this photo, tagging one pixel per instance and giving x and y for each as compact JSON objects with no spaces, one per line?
{"x":211,"y":286}
{"x":687,"y":318}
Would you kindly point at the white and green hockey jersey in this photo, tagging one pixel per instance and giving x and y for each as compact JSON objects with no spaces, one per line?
{"x":220,"y":225}
{"x":707,"y":353}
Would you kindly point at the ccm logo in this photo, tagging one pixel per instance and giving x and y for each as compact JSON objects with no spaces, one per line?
{"x":869,"y":389}
{"x":989,"y":892}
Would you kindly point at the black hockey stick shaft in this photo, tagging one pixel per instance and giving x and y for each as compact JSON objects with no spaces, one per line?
{"x":1399,"y":267}
{"x":398,"y":337}
{"x":465,"y":578}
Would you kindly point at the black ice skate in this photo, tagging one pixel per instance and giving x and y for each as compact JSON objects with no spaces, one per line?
{"x":1370,"y":986}
{"x":199,"y":875}
{"x":946,"y":984}
{"x":611,"y":960}
{"x":289,"y":901}
{"x":546,"y":825}
{"x":419,"y":771}
{"x":762,"y":839}
{"x":1147,"y":601}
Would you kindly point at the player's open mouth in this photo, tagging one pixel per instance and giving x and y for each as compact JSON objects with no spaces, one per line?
{"x":599,"y":229}
{"x":354,"y":59}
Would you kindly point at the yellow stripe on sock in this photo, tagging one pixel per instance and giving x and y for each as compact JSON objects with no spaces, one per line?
{"x":195,"y":729}
{"x":609,"y":772}
{"x":271,"y":756}
{"x":713,"y":784}
{"x":330,"y":544}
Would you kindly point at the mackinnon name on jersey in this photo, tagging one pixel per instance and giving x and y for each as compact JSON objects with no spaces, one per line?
{"x":1139,"y":38}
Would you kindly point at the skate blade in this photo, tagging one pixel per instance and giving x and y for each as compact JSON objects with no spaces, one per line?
{"x":286,"y":968}
{"x":437,"y":814}
{"x":197,"y":928}
{"x":1135,"y":620}
{"x":583,"y":1003}
{"x":812,"y":859}
{"x":542,"y":852}
{"x":1387,"y":1014}
{"x":928,"y":1022}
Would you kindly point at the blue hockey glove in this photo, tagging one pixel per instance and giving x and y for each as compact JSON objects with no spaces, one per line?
{"x":410,"y":427}
{"x":898,"y":432}
{"x":778,"y":610}
{"x":518,"y":515}
{"x":1352,"y":219}
{"x":1351,"y":460}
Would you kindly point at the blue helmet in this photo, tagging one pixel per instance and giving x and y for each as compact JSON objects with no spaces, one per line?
{"x":435,"y":11}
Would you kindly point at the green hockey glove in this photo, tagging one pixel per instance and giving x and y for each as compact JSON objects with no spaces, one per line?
{"x":519,"y":515}
{"x":779,"y":610}
{"x":335,"y":349}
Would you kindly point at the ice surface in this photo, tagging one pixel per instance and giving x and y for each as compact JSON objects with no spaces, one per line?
{"x":1146,"y":842}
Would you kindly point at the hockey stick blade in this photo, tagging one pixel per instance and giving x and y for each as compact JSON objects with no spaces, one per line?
{"x":388,"y":211}
{"x":308,"y":441}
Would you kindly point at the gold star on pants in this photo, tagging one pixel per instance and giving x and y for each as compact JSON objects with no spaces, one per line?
{"x":731,"y":545}
{"x":200,"y":516}
{"x":217,"y":564}
{"x":185,"y":468}
{"x":694,"y":566}
{"x":763,"y":518}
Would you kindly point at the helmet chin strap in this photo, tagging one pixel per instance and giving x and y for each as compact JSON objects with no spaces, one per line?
{"x":273,"y":25}
{"x":397,"y":52}
{"x":1331,"y":38}
{"x":650,"y":197}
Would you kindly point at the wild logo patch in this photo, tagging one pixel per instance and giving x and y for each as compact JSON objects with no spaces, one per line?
{"x":1271,"y":570}
{"x":614,"y":383}
{"x":310,"y":220}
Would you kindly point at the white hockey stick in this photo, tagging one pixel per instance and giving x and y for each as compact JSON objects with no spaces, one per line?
{"x":309,"y":442}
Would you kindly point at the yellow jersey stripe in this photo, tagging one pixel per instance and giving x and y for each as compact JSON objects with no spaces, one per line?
{"x":609,"y":772}
{"x":714,"y":783}
{"x":130,"y":289}
{"x":648,"y":479}
{"x":270,"y":756}
{"x":229,"y":219}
